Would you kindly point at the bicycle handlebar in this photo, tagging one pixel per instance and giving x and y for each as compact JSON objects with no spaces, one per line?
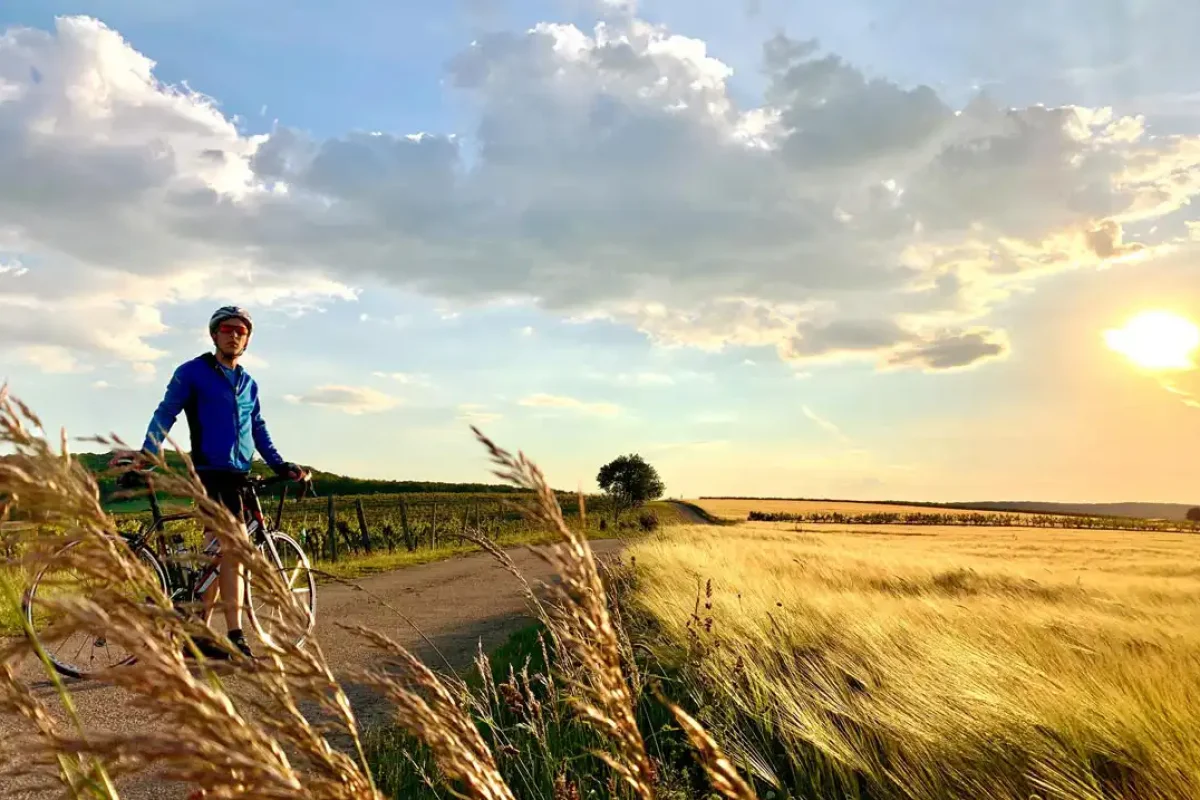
{"x":259,"y":481}
{"x":256,"y":481}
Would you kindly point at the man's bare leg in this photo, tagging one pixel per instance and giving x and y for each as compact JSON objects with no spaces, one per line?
{"x":210,"y":594}
{"x":229,"y":586}
{"x":231,"y":590}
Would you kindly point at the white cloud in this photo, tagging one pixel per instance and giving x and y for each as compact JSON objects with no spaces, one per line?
{"x":633,"y":379}
{"x":113,"y":183}
{"x":253,"y":361}
{"x":477,"y":414}
{"x":613,"y":175}
{"x":50,"y":358}
{"x":349,"y":399}
{"x":571,"y":403}
{"x":825,"y":424}
{"x":101,"y":385}
{"x":143,"y":371}
{"x":406,"y":378}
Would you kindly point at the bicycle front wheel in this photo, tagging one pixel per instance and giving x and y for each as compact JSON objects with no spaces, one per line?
{"x":82,"y":654}
{"x":294,"y":620}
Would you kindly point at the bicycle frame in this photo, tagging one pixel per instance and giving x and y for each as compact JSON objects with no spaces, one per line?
{"x":252,"y":517}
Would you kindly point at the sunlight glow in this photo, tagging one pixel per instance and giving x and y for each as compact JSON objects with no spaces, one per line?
{"x":1156,"y":340}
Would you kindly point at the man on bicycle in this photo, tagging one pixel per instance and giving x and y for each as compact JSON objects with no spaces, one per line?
{"x":225,"y":423}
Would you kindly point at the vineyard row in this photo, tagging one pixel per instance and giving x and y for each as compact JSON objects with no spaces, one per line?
{"x":334,"y":526}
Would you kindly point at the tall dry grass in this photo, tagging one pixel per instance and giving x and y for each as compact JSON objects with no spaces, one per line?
{"x":938,"y":664}
{"x":286,"y":728}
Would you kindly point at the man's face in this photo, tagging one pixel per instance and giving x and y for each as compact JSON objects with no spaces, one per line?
{"x":231,"y":337}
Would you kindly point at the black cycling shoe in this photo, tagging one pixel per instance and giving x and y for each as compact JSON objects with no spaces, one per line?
{"x":239,"y":641}
{"x":208,"y":648}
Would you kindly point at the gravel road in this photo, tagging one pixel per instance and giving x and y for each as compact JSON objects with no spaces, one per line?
{"x":458,"y":604}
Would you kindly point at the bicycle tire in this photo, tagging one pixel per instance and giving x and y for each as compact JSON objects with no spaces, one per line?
{"x":65,"y":667}
{"x":284,"y":543}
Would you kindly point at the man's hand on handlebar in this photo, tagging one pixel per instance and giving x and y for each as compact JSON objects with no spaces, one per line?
{"x":293,"y":472}
{"x":133,"y":466}
{"x":127,"y":459}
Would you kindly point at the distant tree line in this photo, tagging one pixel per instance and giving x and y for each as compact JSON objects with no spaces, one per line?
{"x":326,"y":482}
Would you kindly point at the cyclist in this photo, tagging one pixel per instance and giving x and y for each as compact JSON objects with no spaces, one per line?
{"x":220,"y":401}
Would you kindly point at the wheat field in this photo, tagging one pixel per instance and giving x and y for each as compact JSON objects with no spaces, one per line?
{"x":938,"y":662}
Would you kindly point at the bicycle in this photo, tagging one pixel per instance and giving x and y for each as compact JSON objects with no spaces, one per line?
{"x":184,"y":585}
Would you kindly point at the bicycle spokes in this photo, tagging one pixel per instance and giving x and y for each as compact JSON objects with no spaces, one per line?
{"x":291,"y":617}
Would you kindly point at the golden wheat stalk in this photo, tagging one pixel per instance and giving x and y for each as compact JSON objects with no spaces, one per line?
{"x":582,"y":625}
{"x":721,"y":772}
{"x":436,"y":718}
{"x":208,"y":740}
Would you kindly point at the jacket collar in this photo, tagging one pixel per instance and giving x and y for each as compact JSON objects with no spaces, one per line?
{"x":210,"y":359}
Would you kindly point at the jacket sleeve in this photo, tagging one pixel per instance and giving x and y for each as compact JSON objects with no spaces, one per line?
{"x":262,"y":439}
{"x":179,"y":390}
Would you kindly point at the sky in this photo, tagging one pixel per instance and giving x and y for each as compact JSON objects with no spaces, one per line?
{"x":778,"y":248}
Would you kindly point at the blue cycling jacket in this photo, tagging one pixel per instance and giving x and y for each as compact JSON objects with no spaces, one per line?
{"x":223,"y":413}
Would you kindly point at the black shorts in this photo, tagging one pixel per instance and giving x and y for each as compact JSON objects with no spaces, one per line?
{"x":227,"y":488}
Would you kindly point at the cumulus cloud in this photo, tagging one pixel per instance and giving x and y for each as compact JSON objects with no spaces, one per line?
{"x":50,"y":358}
{"x":611,"y":175}
{"x":111,"y":181}
{"x":349,"y":399}
{"x":477,"y":414}
{"x":952,"y":351}
{"x":570,"y":403}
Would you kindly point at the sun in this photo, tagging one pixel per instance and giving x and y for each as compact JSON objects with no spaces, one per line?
{"x":1157,"y":340}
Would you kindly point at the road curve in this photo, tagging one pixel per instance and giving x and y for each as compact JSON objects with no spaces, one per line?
{"x":458,"y":604}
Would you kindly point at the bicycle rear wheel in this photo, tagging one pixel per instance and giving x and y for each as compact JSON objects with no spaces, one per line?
{"x":296,"y":620}
{"x":77,"y":653}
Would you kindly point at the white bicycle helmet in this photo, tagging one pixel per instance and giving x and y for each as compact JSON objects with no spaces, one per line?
{"x":229,"y":312}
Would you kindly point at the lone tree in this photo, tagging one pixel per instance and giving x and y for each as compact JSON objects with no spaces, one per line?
{"x":1193,"y":514}
{"x":629,"y":481}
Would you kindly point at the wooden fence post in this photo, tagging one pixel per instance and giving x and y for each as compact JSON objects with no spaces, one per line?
{"x":279,"y":510}
{"x":362,"y":525}
{"x":409,"y":542}
{"x":331,"y":531}
{"x":433,"y":526}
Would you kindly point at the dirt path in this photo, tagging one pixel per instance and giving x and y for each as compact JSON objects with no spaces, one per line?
{"x":459,"y":604}
{"x":690,"y":513}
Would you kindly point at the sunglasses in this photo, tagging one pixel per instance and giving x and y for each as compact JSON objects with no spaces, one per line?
{"x":233,"y":330}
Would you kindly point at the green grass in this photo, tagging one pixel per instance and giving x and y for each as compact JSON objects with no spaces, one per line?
{"x":541,"y":748}
{"x":357,"y":566}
